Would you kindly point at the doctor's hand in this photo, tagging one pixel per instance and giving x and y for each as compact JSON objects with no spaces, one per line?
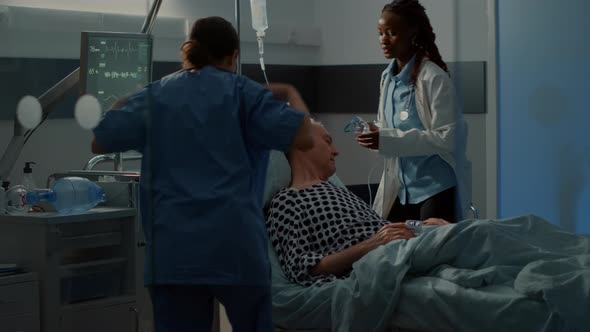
{"x":390,"y":232}
{"x":369,"y":140}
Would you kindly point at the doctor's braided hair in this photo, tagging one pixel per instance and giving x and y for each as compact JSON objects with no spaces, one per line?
{"x":210,"y":40}
{"x":424,"y":42}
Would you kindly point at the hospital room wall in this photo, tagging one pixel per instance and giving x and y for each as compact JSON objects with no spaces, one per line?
{"x":285,"y":16}
{"x":350,"y":38}
{"x":60,"y":144}
{"x":341,"y":43}
{"x":544,"y":151}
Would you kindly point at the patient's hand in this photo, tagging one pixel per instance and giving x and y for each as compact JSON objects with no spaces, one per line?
{"x":341,"y":262}
{"x":390,"y":232}
{"x":435,"y":222}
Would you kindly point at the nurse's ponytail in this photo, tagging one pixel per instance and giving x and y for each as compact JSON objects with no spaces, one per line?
{"x":210,"y":41}
{"x":424,"y":40}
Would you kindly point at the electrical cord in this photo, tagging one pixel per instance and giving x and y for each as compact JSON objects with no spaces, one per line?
{"x":30,"y":132}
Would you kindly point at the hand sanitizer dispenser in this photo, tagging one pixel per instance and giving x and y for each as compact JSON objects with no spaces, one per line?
{"x":28,"y":180}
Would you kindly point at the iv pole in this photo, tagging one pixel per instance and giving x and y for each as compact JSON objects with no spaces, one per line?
{"x":51,"y":98}
{"x":237,"y":12}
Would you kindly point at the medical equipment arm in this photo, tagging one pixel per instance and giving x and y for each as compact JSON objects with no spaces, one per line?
{"x":47,"y":100}
{"x":51,"y":98}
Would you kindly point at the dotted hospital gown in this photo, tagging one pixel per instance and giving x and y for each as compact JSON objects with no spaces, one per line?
{"x":306,"y":225}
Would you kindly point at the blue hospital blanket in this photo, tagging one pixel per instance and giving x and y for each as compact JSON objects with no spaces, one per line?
{"x":520,"y":274}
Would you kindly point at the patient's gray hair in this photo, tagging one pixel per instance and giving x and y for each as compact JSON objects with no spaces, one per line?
{"x":316,"y":122}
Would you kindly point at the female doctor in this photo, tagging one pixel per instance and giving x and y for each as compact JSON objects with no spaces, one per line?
{"x":205,"y":133}
{"x":421,"y":135}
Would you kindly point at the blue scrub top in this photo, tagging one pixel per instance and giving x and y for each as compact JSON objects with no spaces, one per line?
{"x":206,"y":137}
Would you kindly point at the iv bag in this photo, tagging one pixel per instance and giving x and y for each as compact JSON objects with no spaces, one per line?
{"x":259,"y":21}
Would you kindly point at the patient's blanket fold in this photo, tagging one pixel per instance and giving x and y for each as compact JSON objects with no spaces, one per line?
{"x":520,"y":274}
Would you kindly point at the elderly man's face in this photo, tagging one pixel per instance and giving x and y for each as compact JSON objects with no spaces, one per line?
{"x":323,"y":154}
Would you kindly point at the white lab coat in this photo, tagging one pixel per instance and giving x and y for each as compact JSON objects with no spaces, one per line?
{"x":445,"y":134}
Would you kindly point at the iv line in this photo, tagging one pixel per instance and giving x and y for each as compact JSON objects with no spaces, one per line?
{"x":261,"y":52}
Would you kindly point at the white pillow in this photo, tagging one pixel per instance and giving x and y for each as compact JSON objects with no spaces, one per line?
{"x":278,"y":176}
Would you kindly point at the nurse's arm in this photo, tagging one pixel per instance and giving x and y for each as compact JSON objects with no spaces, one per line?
{"x":289,"y":93}
{"x":303,"y":139}
{"x":97,"y":149}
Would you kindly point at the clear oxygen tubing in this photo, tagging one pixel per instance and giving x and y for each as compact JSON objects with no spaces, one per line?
{"x":368,"y":128}
{"x":359,"y":126}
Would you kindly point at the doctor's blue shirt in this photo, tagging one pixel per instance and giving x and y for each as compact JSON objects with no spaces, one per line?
{"x":205,"y":138}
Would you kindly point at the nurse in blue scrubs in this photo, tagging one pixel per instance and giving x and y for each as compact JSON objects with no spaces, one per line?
{"x":205,"y":133}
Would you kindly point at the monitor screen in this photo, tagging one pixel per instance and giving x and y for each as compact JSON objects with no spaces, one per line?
{"x":113,"y":65}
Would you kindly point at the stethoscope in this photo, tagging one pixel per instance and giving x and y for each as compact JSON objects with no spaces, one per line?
{"x":405,"y":114}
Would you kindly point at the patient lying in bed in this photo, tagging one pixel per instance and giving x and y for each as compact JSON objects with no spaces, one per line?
{"x":519,"y":274}
{"x":319,"y":229}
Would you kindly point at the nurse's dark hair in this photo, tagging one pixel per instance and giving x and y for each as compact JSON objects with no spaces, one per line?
{"x":211,"y":39}
{"x":424,"y":44}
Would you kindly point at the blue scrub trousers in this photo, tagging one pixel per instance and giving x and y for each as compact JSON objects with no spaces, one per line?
{"x":184,"y":308}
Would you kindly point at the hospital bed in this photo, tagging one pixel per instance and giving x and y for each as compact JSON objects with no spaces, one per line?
{"x":437,"y":295}
{"x":287,"y":294}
